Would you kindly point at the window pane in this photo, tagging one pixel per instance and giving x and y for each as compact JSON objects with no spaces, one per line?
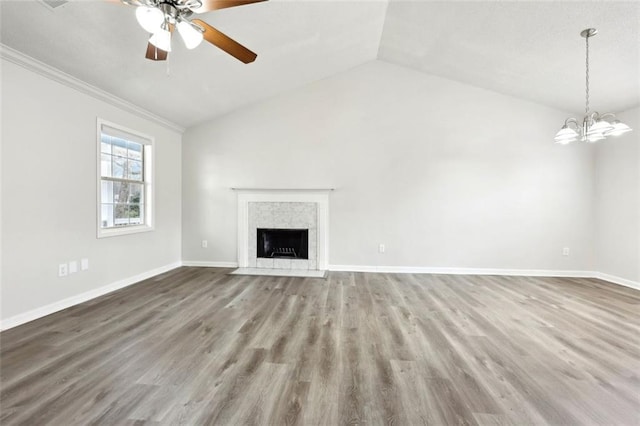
{"x":122,"y":185}
{"x":120,"y":192}
{"x":119,"y":166}
{"x":135,"y":169}
{"x":121,"y":215}
{"x":107,"y":192}
{"x":135,"y":150}
{"x":105,"y":165}
{"x":105,"y":144}
{"x":135,"y":217}
{"x":119,"y":147}
{"x":107,"y":216}
{"x":135,"y":193}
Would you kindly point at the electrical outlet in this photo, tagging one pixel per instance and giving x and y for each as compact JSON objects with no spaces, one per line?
{"x":381,"y":248}
{"x":205,"y":244}
{"x":84,"y":264}
{"x":73,"y":267}
{"x":62,"y":270}
{"x":565,"y":251}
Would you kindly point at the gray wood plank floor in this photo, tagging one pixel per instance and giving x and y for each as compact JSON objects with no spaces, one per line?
{"x":198,"y":346}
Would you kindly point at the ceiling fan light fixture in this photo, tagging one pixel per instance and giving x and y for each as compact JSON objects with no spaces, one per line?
{"x":162,"y":39}
{"x":161,"y":17}
{"x":191,"y":35}
{"x":150,"y":18}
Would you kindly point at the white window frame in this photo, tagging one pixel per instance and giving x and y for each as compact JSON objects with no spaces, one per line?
{"x":148,"y":177}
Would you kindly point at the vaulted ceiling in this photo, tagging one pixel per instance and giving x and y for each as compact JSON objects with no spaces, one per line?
{"x":531,"y":50}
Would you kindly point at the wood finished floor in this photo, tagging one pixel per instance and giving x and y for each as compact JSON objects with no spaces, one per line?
{"x":198,"y":346}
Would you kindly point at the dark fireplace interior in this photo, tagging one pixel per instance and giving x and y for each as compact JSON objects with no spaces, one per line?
{"x":283,"y":243}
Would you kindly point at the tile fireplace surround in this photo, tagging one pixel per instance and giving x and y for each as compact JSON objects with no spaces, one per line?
{"x":283,"y":209}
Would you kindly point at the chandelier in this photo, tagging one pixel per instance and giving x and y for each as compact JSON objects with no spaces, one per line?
{"x":594,"y":126}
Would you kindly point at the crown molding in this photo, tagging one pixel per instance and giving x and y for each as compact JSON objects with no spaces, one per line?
{"x":68,"y":80}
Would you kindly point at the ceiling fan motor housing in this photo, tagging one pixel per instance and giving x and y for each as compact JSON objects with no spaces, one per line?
{"x":179,"y":5}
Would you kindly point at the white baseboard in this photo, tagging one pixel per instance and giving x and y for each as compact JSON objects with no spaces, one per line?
{"x":461,"y":271}
{"x":207,"y":264}
{"x":487,"y":271}
{"x":451,"y":271}
{"x":617,"y":280}
{"x":82,"y":297}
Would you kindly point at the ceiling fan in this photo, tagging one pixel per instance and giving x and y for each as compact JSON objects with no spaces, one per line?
{"x":161,"y":17}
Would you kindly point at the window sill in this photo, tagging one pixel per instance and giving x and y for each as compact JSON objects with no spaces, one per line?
{"x":114,"y":232}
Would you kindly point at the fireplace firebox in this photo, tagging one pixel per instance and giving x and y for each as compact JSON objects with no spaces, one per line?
{"x":283,"y":243}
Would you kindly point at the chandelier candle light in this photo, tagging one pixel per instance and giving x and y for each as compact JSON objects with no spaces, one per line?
{"x":594,"y":126}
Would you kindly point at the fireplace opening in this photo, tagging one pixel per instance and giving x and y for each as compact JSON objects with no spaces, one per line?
{"x":283,"y":243}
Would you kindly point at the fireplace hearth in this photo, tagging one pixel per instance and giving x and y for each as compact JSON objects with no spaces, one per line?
{"x":282,"y":243}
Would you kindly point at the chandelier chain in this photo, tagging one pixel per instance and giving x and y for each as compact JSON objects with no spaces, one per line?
{"x":587,"y":77}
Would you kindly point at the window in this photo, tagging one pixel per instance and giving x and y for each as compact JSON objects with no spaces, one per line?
{"x":125,"y":180}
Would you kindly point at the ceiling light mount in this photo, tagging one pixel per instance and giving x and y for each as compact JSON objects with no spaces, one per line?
{"x":170,"y":11}
{"x":589,"y":32}
{"x":594,"y":126}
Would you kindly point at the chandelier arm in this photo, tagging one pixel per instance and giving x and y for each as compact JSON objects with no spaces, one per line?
{"x":608,"y":114}
{"x":593,"y":116}
{"x":573,"y":121}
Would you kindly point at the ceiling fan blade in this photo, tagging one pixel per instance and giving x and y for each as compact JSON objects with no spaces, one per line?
{"x":209,"y":5}
{"x":226,"y":43}
{"x":155,"y":54}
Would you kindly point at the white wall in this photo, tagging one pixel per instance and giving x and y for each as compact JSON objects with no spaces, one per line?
{"x":49,"y":194}
{"x":617,"y":202}
{"x":445,"y":174}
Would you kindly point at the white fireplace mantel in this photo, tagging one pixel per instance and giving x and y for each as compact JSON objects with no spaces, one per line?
{"x":320,"y":196}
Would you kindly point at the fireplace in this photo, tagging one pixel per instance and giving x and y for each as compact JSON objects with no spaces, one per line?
{"x":282,"y":243}
{"x":279,"y":209}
